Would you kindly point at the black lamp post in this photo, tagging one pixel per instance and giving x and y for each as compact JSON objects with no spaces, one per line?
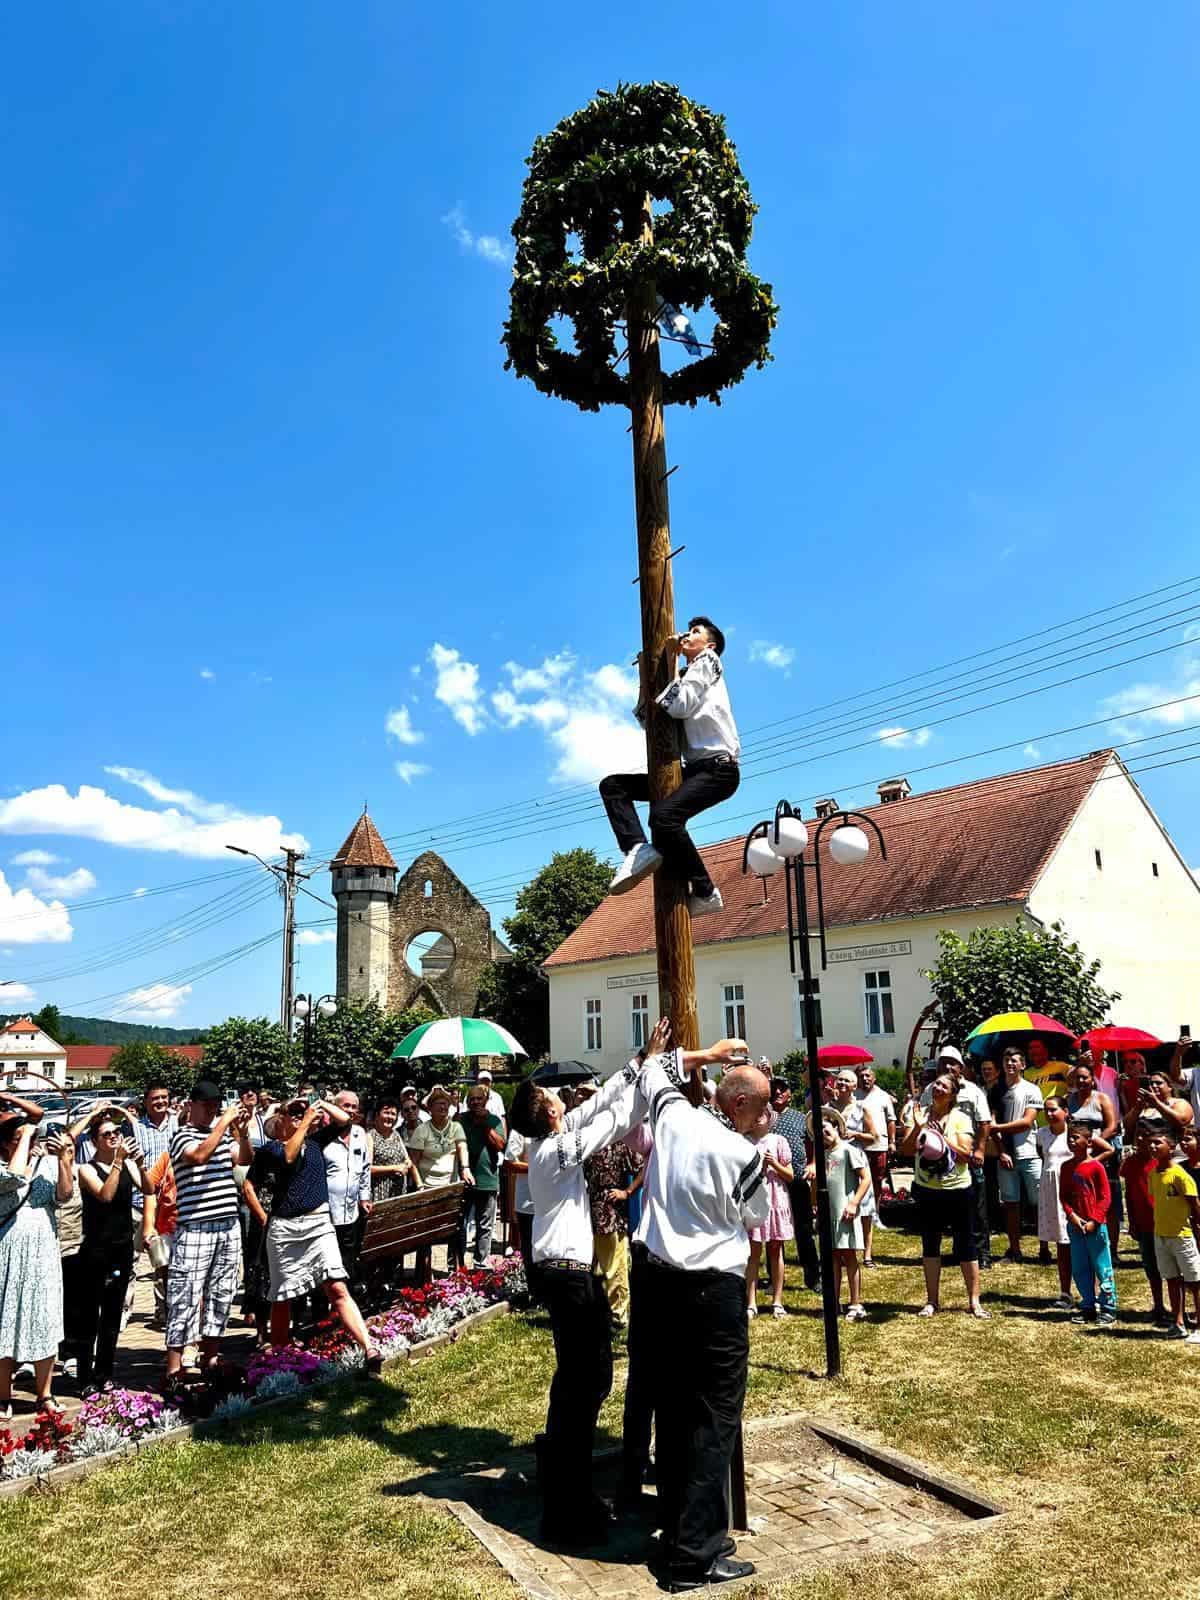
{"x":782,"y":845}
{"x":306,"y":1010}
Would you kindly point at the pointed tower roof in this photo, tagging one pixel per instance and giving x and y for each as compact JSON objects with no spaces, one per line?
{"x":364,"y":847}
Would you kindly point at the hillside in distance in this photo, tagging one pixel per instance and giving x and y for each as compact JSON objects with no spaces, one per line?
{"x":99,"y":1030}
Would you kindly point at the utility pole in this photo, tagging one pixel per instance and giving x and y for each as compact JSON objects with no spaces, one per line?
{"x":289,"y":877}
{"x":289,"y":938}
{"x":672,"y":920}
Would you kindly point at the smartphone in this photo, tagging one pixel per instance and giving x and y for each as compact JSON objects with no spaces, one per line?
{"x":1185,"y":1030}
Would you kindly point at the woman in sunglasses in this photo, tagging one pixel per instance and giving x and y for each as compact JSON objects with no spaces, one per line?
{"x":106,"y":1186}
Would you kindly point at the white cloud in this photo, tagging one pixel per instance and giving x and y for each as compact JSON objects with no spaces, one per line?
{"x":458,"y":688}
{"x":206,"y":810}
{"x":207,"y":674}
{"x":513,"y":712}
{"x":25,"y":919}
{"x":15,"y":997}
{"x":188,"y":827}
{"x":779,"y":656}
{"x":594,"y":742}
{"x":317,"y":936}
{"x":1177,"y":699}
{"x":399,"y":725}
{"x":905,"y":738}
{"x":408,"y":770}
{"x":35,"y":858}
{"x":69,"y":884}
{"x":415,"y":669}
{"x":530,"y":680}
{"x":614,"y":683}
{"x":157,"y":1002}
{"x":485,"y":245}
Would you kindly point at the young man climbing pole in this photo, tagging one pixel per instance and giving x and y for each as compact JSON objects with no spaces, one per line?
{"x":698,"y":699}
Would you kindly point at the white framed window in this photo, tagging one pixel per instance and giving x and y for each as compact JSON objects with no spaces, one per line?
{"x":639,"y":1019}
{"x":878,"y":1013}
{"x":733,"y":1009}
{"x":814,"y":989}
{"x":593,"y":1032}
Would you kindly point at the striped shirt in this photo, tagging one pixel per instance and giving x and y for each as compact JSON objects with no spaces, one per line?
{"x":206,"y":1191}
{"x":154,"y":1141}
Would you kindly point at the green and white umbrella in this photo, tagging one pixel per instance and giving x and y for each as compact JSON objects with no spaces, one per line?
{"x":458,"y":1036}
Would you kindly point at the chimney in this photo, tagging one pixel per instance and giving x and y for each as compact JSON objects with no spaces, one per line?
{"x":827,"y":808}
{"x":892,"y":790}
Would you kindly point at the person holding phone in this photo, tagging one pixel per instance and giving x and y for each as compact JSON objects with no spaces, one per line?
{"x":31,"y":1302}
{"x":107,"y":1184}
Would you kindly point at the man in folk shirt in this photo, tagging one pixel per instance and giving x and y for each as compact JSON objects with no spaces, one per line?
{"x":202,"y":1278}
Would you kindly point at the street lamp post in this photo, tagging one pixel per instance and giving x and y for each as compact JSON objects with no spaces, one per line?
{"x":781,"y":845}
{"x":306,"y":1010}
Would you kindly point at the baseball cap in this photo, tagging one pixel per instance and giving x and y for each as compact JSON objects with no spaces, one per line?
{"x":947,"y":1052}
{"x":205,"y":1089}
{"x":483,"y":1075}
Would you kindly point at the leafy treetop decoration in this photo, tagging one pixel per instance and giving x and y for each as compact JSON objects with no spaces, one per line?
{"x":589,"y":178}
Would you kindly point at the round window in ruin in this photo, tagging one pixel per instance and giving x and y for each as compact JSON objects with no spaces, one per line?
{"x":429,"y":954}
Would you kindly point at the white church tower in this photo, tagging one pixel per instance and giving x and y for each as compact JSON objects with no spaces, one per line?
{"x":364,"y":886}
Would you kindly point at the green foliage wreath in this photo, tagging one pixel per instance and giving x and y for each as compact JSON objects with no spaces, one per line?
{"x":588,"y":177}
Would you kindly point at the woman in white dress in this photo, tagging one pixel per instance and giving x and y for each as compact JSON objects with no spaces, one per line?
{"x":31,"y":1297}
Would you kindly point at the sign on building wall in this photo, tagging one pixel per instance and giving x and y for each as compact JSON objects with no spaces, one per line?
{"x":635,"y":980}
{"x":871,"y":952}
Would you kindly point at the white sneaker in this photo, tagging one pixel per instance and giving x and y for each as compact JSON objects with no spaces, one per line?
{"x":702,"y":905}
{"x":856,"y":1313}
{"x":639,"y":863}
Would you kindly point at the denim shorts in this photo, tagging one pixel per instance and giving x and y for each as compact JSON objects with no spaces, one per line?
{"x":1022,"y":1178}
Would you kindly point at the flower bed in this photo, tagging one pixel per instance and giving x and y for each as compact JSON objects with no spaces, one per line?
{"x":109,"y":1422}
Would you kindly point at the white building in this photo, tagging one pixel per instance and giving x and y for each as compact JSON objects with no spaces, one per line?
{"x":24,"y":1048}
{"x":1074,"y":842}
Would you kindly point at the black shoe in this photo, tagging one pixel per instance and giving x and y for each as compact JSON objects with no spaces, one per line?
{"x":723,"y":1570}
{"x":985,"y":1264}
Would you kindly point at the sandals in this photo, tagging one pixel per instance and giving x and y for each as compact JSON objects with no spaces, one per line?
{"x":779,"y":1311}
{"x":49,"y":1405}
{"x":928,"y":1309}
{"x":751,"y":1312}
{"x":979,"y":1313}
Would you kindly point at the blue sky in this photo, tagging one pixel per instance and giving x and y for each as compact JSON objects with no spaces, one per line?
{"x":268,"y":492}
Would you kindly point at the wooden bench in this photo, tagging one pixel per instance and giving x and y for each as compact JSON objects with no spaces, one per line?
{"x":411,"y":1222}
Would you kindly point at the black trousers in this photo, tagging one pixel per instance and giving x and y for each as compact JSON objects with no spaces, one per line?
{"x":103,"y":1277}
{"x":581,"y":1322}
{"x":350,"y":1238}
{"x":800,"y":1195}
{"x":639,"y":1380}
{"x":700,"y":1388}
{"x":705,"y":784}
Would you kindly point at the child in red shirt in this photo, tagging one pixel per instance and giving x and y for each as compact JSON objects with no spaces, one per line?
{"x":1086,"y":1197}
{"x":1139,"y":1209}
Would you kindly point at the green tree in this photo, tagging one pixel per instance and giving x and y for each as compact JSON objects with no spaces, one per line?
{"x":352,"y":1049}
{"x":50,"y":1020}
{"x":250,"y":1048}
{"x":1016,"y":968}
{"x":549,"y":907}
{"x":141,"y":1062}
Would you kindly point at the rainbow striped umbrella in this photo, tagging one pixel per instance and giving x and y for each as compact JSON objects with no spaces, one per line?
{"x":1019,"y":1022}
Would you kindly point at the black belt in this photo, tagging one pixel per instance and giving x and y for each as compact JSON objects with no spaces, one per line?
{"x":561,"y":1264}
{"x":711,"y":761}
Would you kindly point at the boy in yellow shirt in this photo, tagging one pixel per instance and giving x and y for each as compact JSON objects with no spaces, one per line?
{"x":1176,"y":1227}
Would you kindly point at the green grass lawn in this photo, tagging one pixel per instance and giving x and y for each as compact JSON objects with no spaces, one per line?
{"x":1092,"y":1441}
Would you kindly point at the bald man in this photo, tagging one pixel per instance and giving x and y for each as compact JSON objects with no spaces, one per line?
{"x":704,"y":1187}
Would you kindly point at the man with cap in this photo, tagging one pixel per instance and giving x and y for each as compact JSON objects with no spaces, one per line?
{"x":704,"y":1188}
{"x":698,"y":699}
{"x":202,"y":1277}
{"x":969,"y":1098}
{"x":495,"y":1104}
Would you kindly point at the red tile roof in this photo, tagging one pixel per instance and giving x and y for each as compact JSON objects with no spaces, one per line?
{"x":96,"y":1057}
{"x":22,"y":1025}
{"x":364,"y":847}
{"x":977,"y":844}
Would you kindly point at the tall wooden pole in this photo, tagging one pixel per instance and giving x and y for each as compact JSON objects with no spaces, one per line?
{"x":672,"y":921}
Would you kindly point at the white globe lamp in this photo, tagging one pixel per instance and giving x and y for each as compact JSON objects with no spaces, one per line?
{"x":849,"y":846}
{"x":761,"y":858}
{"x":792,"y":840}
{"x":301,"y":1007}
{"x":327,"y":1007}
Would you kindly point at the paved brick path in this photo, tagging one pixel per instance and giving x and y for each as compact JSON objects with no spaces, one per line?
{"x":808,"y":1505}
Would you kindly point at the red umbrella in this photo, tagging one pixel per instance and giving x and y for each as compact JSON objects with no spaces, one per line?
{"x":1110,"y":1038}
{"x":843,"y":1055}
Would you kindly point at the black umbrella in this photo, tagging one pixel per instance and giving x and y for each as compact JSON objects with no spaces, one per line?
{"x":553,"y":1073}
